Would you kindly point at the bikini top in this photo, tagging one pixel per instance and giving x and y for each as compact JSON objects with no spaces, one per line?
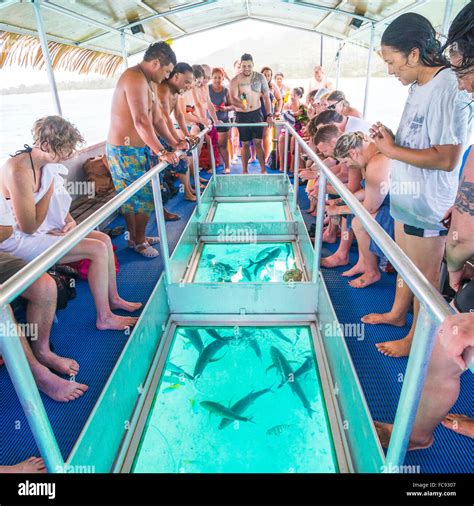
{"x":27,"y":149}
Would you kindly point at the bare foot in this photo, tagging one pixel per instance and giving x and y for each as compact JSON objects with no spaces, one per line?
{"x":245,"y":171}
{"x":119,"y":303}
{"x":461,"y":424}
{"x":1,"y":361}
{"x":396,"y":349}
{"x":264,"y":171}
{"x":357,"y":269}
{"x":61,"y":365}
{"x":115,"y":322}
{"x":368,"y":278}
{"x":31,"y":465}
{"x":57,"y":388}
{"x":384,"y":432}
{"x":335,"y":260}
{"x":313,"y":213}
{"x":190,"y":197}
{"x":384,"y":318}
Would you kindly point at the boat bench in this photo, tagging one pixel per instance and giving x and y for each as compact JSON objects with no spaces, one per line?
{"x":83,"y":207}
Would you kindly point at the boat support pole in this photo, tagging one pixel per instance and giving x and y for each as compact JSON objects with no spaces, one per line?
{"x":417,"y":367}
{"x":160,"y":222}
{"x":197,"y":182}
{"x":369,"y":68}
{"x":124,"y":50}
{"x":285,"y":153}
{"x":296,"y":179}
{"x":46,"y":56}
{"x":25,"y":386}
{"x":318,"y":235}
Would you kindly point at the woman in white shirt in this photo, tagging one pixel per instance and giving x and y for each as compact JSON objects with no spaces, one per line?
{"x":426,"y":157}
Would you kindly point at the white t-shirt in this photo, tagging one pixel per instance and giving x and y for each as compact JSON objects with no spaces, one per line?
{"x":6,"y":216}
{"x":436,"y":113}
{"x":357,"y":125}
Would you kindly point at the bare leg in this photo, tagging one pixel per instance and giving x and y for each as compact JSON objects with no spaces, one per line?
{"x":426,"y":253}
{"x":260,"y":154}
{"x":461,"y":424}
{"x":403,"y":295}
{"x":31,"y":465}
{"x":222,"y":142}
{"x":281,"y":152}
{"x":130,"y":222}
{"x":96,"y":251}
{"x":245,"y":157}
{"x":330,"y":233}
{"x":369,"y":261}
{"x":439,"y":394}
{"x":53,"y":386}
{"x":42,"y":296}
{"x":141,"y":221}
{"x":341,"y":256}
{"x":185,"y":182}
{"x":253,"y":154}
{"x":116,"y":302}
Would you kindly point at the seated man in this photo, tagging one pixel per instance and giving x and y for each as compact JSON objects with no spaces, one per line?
{"x":41,"y":297}
{"x":359,"y":152}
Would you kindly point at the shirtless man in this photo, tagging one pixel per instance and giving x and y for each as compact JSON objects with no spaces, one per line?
{"x":132,"y":136}
{"x":179,"y":81}
{"x":246,"y":89}
{"x":202,"y":99}
{"x":358,"y":152}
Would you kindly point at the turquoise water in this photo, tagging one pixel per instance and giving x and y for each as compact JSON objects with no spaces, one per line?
{"x":282,"y":429}
{"x":244,"y":263}
{"x":231,"y":212}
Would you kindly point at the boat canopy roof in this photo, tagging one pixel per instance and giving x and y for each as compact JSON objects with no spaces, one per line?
{"x":93,"y":35}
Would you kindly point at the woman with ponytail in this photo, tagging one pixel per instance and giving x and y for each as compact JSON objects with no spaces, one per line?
{"x":426,"y":158}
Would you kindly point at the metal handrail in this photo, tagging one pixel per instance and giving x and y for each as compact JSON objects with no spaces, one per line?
{"x":421,"y":287}
{"x":31,"y":272}
{"x":433,"y":308}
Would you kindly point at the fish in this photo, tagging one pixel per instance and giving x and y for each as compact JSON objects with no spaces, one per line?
{"x":260,"y":264}
{"x":215,"y":335}
{"x":264,"y":252}
{"x":178,"y":370}
{"x":280,"y":334}
{"x":288,"y":253}
{"x":171,"y":379}
{"x":305,"y":367}
{"x":219,"y":409}
{"x":193,"y":405}
{"x":240,"y":406}
{"x":246,"y":274}
{"x":284,"y":368}
{"x":209,"y":256}
{"x":278,"y":429}
{"x":206,"y":355}
{"x":255,"y":347}
{"x":195,"y":339}
{"x":223,"y":271}
{"x":175,"y":386}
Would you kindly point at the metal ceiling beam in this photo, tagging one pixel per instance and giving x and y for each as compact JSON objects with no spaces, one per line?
{"x":187,"y":34}
{"x":151,"y":10}
{"x":341,"y":4}
{"x":7,"y":3}
{"x":448,"y":9}
{"x":286,"y":25}
{"x":386,"y":20}
{"x":84,"y":19}
{"x":301,"y":3}
{"x":247,"y":7}
{"x":170,"y":12}
{"x":60,"y":40}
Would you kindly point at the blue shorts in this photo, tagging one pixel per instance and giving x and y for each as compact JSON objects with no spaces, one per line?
{"x":385,"y":220}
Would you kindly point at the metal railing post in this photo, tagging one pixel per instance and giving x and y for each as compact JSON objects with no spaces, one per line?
{"x":161,"y":224}
{"x":318,"y":235}
{"x":285,"y":153}
{"x":296,"y":180}
{"x":46,"y":56}
{"x":369,"y":69}
{"x":197,"y":182}
{"x":417,"y":367}
{"x":27,"y":391}
{"x":212,"y":157}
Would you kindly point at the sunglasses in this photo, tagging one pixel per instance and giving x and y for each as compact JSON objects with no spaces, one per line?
{"x":332,"y":107}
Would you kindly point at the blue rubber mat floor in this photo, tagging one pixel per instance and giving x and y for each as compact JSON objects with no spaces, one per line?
{"x":75,"y":335}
